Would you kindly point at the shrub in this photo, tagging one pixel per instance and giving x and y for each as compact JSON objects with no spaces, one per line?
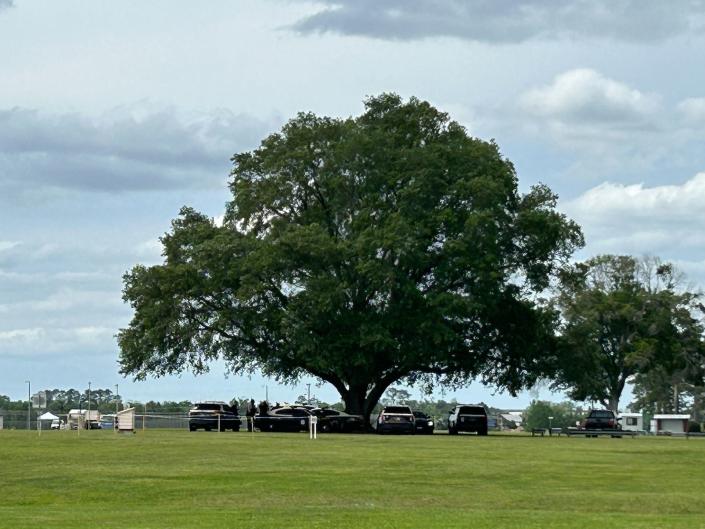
{"x":694,"y":427}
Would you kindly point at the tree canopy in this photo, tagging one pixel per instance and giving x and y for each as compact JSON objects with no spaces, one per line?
{"x":624,"y":316}
{"x":362,"y":251}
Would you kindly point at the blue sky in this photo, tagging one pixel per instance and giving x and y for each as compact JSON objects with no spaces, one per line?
{"x":115,"y":114}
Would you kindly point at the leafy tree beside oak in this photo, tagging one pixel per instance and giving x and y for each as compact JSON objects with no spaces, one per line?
{"x":363,"y":251}
{"x":624,"y":317}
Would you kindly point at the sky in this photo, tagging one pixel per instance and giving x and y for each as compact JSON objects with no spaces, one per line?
{"x":113,"y":115}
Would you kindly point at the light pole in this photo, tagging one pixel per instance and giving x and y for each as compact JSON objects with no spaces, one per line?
{"x":117,"y":409}
{"x":550,"y":424}
{"x":29,"y":404}
{"x":309,"y":394}
{"x":89,"y":405}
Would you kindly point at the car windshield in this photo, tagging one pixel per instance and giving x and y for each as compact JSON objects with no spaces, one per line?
{"x":397,"y":409}
{"x":209,"y":407}
{"x":472,"y":410}
{"x":602,"y":414}
{"x":420,"y":415}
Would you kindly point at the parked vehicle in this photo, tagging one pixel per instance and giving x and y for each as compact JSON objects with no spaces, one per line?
{"x":424,"y":424}
{"x":57,"y":424}
{"x":396,"y":419}
{"x":209,"y":415}
{"x":87,"y":419}
{"x":107,"y":422}
{"x":338,"y":421}
{"x":283,"y":419}
{"x":467,"y":418}
{"x":601,"y":420}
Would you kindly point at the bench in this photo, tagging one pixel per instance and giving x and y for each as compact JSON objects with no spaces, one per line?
{"x":555,"y":431}
{"x":597,"y":433}
{"x":536,"y":431}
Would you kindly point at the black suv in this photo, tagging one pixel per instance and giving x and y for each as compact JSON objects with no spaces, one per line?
{"x":467,"y":418}
{"x":601,"y":420}
{"x":209,"y":415}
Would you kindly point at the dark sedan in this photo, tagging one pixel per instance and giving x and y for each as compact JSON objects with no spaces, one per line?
{"x":338,"y":421}
{"x":285,"y":419}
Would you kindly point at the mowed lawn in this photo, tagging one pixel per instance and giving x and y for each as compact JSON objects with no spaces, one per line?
{"x":173,"y":479}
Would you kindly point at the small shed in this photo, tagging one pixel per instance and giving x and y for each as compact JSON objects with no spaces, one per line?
{"x":632,"y":422}
{"x":126,"y":420}
{"x":670,"y":423}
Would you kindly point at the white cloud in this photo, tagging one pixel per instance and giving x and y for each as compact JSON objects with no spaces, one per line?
{"x":693,"y":110}
{"x":87,"y":334}
{"x":72,"y":299}
{"x":8,"y":245}
{"x":584,"y":96}
{"x":150,"y":251}
{"x":636,"y":203}
{"x":39,"y":341}
{"x":663,"y":220}
{"x":21,"y":335}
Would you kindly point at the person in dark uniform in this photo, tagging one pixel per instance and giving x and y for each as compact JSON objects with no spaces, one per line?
{"x":250,"y":413}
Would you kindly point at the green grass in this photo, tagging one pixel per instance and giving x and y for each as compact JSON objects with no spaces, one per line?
{"x":172,"y":479}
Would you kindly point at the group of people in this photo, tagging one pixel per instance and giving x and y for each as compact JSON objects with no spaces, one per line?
{"x":252,"y":409}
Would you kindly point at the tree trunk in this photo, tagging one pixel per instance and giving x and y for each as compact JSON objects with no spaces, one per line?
{"x":362,"y":399}
{"x":611,"y":402}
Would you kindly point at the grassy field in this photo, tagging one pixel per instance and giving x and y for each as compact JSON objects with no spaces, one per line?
{"x":173,"y":479}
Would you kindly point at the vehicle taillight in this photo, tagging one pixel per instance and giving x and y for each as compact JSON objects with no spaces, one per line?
{"x":381,"y":419}
{"x":610,"y":423}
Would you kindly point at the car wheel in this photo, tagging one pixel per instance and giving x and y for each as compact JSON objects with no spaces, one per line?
{"x":192,"y":428}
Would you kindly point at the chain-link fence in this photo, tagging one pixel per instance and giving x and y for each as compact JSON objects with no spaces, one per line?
{"x":17,"y":420}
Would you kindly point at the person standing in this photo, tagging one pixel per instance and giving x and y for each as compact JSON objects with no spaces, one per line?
{"x":250,"y":412}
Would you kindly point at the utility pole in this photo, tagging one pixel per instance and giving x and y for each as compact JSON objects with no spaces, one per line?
{"x":309,"y":394}
{"x":29,"y":404}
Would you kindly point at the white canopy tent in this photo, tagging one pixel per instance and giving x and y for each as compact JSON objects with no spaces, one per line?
{"x":48,"y":416}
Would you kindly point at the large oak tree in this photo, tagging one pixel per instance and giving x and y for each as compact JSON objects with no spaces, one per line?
{"x":361,"y":251}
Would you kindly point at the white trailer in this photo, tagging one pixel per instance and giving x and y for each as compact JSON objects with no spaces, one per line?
{"x":632,"y":422}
